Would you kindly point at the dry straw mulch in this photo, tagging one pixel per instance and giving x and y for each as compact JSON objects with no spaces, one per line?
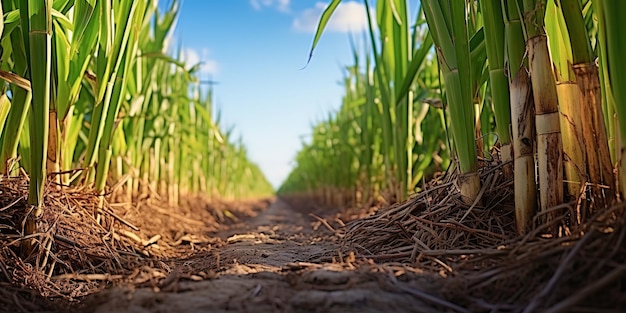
{"x":489,"y":267}
{"x":84,"y":246}
{"x":436,"y":221}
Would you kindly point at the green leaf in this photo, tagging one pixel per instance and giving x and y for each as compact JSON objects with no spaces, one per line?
{"x":326,"y":15}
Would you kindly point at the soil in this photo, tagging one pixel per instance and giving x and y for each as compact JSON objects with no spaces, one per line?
{"x":281,"y":260}
{"x":431,"y":253}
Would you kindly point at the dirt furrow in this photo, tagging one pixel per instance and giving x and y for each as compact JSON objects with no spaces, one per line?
{"x":274,"y":263}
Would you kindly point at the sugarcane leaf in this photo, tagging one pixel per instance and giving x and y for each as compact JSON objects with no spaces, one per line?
{"x":416,"y":62}
{"x":324,"y":18}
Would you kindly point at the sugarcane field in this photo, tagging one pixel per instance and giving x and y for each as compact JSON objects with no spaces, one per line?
{"x":307,"y":156}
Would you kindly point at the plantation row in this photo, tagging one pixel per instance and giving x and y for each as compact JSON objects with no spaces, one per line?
{"x":534,"y":82}
{"x":92,"y":99}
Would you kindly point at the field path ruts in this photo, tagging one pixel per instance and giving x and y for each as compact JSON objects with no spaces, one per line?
{"x":270,"y":263}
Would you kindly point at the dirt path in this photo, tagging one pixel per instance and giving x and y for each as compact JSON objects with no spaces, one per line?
{"x":277,"y":262}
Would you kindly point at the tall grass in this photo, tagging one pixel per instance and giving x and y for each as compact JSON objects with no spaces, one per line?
{"x":373,"y":146}
{"x":503,"y":67}
{"x":92,"y":97}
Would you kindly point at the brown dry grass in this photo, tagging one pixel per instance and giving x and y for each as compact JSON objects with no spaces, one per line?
{"x":490,"y":268}
{"x":84,"y":247}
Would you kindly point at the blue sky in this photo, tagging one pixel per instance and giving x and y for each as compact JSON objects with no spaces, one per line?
{"x":255,"y":50}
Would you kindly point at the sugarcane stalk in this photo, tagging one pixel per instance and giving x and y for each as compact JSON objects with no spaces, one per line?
{"x":39,"y":21}
{"x":567,"y":90}
{"x":547,"y":123}
{"x":596,"y":143}
{"x":495,"y":42}
{"x":611,"y":45}
{"x":522,"y":117}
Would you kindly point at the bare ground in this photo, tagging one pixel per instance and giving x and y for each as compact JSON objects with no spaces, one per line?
{"x":431,"y":253}
{"x":279,"y":261}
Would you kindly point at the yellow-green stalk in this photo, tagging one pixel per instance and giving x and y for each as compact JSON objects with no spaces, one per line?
{"x":522,"y":118}
{"x":569,"y":100}
{"x":599,"y":166}
{"x":495,"y":42}
{"x":547,"y":124}
{"x":454,"y":57}
{"x":37,"y":14}
{"x":611,"y":44}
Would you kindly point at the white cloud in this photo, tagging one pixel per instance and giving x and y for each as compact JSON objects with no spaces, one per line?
{"x":192,"y":57}
{"x":280,"y":5}
{"x":349,"y":16}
